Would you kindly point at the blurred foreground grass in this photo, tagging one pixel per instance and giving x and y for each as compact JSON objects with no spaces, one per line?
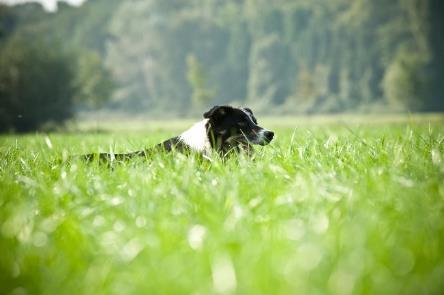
{"x":333,"y":207}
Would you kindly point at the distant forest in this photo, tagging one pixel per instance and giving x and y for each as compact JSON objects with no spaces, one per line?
{"x":283,"y":56}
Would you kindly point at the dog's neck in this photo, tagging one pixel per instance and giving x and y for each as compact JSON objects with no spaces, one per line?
{"x":197,"y":137}
{"x":202,"y":138}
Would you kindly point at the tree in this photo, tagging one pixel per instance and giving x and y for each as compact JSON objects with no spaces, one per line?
{"x":37,"y":86}
{"x":403,"y":83}
{"x":93,"y":81}
{"x":269,"y":77}
{"x":197,"y":79}
{"x":7,"y":21}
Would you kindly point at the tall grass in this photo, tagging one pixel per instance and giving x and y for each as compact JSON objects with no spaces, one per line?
{"x":324,"y":209}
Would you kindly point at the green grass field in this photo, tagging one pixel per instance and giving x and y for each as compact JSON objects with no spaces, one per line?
{"x":328,"y":208}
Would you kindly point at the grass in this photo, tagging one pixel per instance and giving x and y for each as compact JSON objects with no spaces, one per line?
{"x":327,"y":208}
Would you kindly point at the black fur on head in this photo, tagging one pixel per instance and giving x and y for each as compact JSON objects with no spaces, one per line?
{"x":217,"y":112}
{"x":228,"y":126}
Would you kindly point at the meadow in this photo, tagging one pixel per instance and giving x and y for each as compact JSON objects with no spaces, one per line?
{"x":329,"y":207}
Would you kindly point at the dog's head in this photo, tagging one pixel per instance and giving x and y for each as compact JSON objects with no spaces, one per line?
{"x":237,"y":125}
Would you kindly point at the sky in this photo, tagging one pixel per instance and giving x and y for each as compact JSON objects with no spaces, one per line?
{"x":50,"y":5}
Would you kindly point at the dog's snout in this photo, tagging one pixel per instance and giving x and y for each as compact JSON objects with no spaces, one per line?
{"x":269,"y":135}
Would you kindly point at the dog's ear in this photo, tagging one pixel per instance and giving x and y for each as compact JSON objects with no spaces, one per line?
{"x":217,"y":112}
{"x":248,"y":110}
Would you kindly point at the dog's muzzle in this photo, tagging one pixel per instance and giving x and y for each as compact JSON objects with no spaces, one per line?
{"x":263,"y":137}
{"x":268,"y":135}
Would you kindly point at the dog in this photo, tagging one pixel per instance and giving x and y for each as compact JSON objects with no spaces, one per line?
{"x":224,"y":129}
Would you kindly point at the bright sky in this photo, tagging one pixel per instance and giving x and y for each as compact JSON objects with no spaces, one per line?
{"x":50,"y":5}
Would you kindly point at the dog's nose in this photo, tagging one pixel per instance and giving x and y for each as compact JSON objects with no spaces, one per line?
{"x":269,"y":135}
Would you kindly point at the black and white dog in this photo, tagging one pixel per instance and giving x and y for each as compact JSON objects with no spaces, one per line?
{"x":224,"y":129}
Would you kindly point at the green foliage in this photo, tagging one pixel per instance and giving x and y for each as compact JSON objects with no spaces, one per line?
{"x":7,"y":22}
{"x":36,"y":85}
{"x":403,"y":83}
{"x":94,"y":81}
{"x":44,"y":75}
{"x":323,"y":209}
{"x":347,"y":47}
{"x":309,"y":87}
{"x":256,"y":51}
{"x":269,"y":60}
{"x":435,"y":68}
{"x":197,"y":78}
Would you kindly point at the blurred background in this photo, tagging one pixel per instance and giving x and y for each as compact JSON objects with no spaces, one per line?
{"x":175,"y":58}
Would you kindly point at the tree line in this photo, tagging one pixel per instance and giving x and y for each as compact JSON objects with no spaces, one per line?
{"x":285,"y":56}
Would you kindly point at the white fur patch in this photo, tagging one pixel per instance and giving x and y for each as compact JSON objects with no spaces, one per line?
{"x":261,"y":135}
{"x":249,"y":116}
{"x":196,"y":137}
